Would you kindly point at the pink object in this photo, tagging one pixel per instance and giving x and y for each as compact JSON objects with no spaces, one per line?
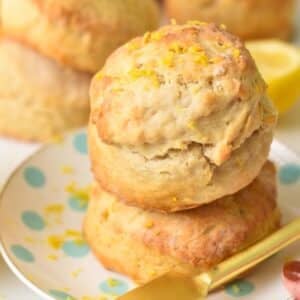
{"x":291,"y":278}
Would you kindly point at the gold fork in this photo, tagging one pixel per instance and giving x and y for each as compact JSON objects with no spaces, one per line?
{"x":196,"y":287}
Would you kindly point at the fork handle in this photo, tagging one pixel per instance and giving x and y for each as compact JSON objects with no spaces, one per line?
{"x":245,"y":260}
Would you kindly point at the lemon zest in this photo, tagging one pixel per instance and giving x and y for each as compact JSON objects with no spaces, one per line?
{"x":56,"y":208}
{"x":201,"y":58}
{"x":236,"y":53}
{"x":112,"y":282}
{"x":168,"y":60}
{"x":65,"y":169}
{"x":70,"y":233}
{"x":149,"y":224}
{"x":52,"y":257}
{"x":156,"y":36}
{"x":76,"y":273}
{"x":81,"y":193}
{"x":99,"y":75}
{"x":55,"y":241}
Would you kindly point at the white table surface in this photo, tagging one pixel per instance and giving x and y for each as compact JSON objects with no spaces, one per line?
{"x":12,"y":153}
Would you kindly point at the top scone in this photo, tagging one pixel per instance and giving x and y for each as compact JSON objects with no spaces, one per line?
{"x":80,"y":34}
{"x":179,"y":118}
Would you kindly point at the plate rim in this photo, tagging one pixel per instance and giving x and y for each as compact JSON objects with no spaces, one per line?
{"x":3,"y":249}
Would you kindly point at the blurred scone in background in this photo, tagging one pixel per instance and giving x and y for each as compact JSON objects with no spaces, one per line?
{"x":48,"y":53}
{"x":249,"y":19}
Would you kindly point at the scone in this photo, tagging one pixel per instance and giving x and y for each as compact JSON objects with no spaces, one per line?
{"x":39,"y":99}
{"x":179,"y":118}
{"x":249,"y":19}
{"x":144,"y":245}
{"x":81,"y":33}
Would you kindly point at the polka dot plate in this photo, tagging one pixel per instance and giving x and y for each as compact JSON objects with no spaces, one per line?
{"x":42,"y":208}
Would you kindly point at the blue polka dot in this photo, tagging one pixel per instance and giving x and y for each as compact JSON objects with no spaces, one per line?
{"x":33,"y":220}
{"x":34,"y":177}
{"x":113,"y":286}
{"x":240,"y":288}
{"x":80,"y":143}
{"x":22,"y":253}
{"x":78,"y":204}
{"x":289,"y":174}
{"x":59,"y":295}
{"x":75,"y":249}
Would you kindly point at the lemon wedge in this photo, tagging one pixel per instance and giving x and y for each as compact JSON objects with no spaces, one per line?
{"x":279,"y":64}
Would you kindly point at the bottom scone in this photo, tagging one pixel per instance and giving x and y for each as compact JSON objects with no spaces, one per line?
{"x":144,"y":245}
{"x":39,"y":99}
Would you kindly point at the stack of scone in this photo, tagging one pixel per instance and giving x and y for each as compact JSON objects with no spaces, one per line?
{"x":48,"y":53}
{"x":249,"y":19}
{"x":179,"y":136}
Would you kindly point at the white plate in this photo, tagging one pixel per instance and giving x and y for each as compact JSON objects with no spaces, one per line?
{"x":41,"y":222}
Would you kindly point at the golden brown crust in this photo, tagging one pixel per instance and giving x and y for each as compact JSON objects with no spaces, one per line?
{"x":249,"y":19}
{"x":144,"y":245}
{"x":179,"y":114}
{"x":39,"y":99}
{"x":78,"y":33}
